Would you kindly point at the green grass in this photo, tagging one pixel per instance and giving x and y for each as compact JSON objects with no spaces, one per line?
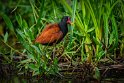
{"x":97,"y":32}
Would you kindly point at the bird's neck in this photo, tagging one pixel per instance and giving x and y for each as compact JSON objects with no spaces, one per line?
{"x":64,"y":28}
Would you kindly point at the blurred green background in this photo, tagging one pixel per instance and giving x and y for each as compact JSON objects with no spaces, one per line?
{"x":96,"y":37}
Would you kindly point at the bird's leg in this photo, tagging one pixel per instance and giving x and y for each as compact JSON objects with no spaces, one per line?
{"x":54,"y":52}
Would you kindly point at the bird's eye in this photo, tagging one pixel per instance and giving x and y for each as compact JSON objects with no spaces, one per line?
{"x":68,"y":18}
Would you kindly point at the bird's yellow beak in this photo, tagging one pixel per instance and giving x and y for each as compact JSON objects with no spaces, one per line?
{"x":69,"y":22}
{"x":72,"y":23}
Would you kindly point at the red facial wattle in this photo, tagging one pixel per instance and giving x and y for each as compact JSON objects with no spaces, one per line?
{"x":68,"y":21}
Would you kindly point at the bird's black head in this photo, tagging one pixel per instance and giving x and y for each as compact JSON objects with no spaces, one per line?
{"x":63,"y":24}
{"x":66,"y":19}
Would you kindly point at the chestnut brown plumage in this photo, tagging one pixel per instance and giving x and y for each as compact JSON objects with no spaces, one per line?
{"x":54,"y":33}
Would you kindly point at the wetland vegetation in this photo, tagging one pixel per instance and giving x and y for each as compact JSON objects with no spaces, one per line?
{"x":92,"y":49}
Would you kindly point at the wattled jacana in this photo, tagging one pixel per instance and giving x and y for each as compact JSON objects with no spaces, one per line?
{"x":54,"y":33}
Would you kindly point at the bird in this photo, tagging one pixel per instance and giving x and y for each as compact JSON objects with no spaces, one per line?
{"x":54,"y":33}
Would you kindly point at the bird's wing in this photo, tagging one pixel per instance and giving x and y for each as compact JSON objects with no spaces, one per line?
{"x":50,"y":34}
